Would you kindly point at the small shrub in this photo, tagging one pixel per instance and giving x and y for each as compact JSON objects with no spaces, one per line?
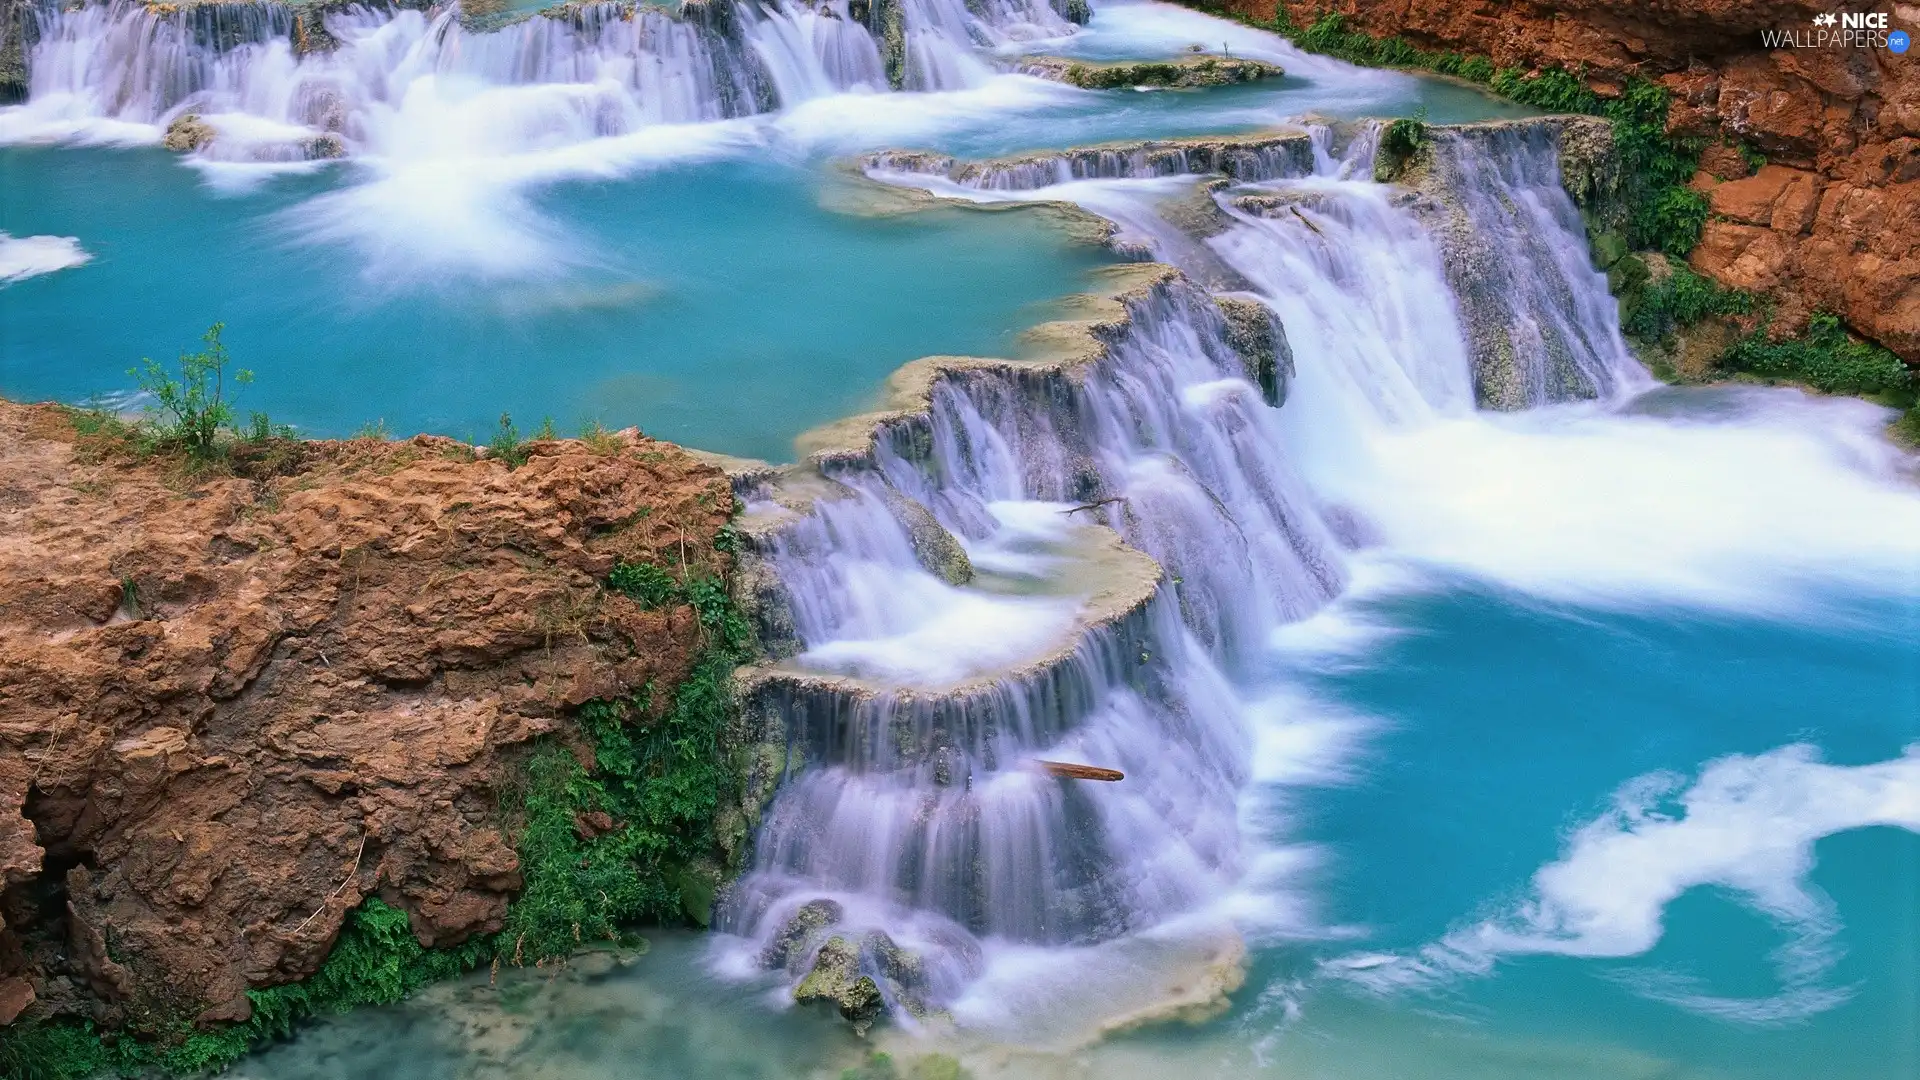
{"x":507,"y":445}
{"x":598,"y":439}
{"x":196,"y":401}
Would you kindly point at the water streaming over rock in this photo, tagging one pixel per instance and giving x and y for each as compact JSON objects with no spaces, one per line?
{"x":278,"y":82}
{"x":917,"y":818}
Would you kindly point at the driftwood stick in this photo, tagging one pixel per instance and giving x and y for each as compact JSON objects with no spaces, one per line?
{"x":1067,"y":770}
{"x":1094,"y":505}
{"x":1304,"y":221}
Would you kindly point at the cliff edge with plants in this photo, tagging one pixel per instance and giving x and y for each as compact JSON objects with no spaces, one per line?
{"x":402,"y":704}
{"x":1809,"y":158}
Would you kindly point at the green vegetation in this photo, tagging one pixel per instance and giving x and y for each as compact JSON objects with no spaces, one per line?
{"x":196,"y":401}
{"x":654,"y":782}
{"x":375,"y":961}
{"x":507,"y":445}
{"x":192,"y":418}
{"x":1827,"y":359}
{"x":1653,"y":310}
{"x":1398,"y":144}
{"x":612,"y":832}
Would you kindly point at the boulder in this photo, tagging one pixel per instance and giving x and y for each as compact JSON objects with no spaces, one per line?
{"x":836,"y":979}
{"x":188,"y":133}
{"x":789,"y":946}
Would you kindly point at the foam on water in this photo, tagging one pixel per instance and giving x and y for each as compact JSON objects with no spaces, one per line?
{"x":22,"y":257}
{"x":1746,"y":824}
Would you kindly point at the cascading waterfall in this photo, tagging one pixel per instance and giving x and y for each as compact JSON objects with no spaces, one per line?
{"x":277,"y":82}
{"x":918,"y":821}
{"x":1542,"y":325}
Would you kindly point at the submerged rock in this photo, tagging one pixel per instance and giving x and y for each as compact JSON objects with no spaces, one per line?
{"x":1184,"y":72}
{"x":836,"y":979}
{"x":188,"y":134}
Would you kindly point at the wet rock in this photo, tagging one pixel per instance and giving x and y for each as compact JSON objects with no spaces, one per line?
{"x":938,"y":552}
{"x":19,"y":30}
{"x":187,"y":134}
{"x":790,"y":944}
{"x":310,"y":34}
{"x":836,"y":980}
{"x":1184,"y":72}
{"x":902,"y":974}
{"x":1256,"y":334}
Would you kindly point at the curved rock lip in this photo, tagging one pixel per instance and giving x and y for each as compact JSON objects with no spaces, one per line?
{"x":1183,"y":72}
{"x":1261,"y":155}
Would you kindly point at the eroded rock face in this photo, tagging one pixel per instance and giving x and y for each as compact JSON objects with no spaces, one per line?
{"x":1840,"y":129}
{"x":231,"y":709}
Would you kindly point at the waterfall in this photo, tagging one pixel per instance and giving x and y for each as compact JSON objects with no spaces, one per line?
{"x":276,"y":82}
{"x":921,"y":688}
{"x":1540,"y":320}
{"x":921,"y":704}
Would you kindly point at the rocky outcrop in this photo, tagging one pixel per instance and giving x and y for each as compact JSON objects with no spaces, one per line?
{"x":1267,"y":155}
{"x":1838,"y":125}
{"x":836,"y":979}
{"x":233,"y":707}
{"x":187,"y":134}
{"x":18,"y":29}
{"x":1254,"y":332}
{"x":1180,"y":73}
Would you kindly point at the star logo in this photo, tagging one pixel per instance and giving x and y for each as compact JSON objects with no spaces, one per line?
{"x":1825,"y":20}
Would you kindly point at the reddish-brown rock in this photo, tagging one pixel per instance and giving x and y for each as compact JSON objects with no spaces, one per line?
{"x":1845,"y":120}
{"x":231,"y":709}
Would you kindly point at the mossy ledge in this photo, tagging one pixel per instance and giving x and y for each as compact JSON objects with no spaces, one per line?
{"x":306,"y":725}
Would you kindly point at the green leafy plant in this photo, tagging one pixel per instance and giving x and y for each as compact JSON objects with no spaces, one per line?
{"x":646,"y":583}
{"x":1827,"y":359}
{"x":1653,"y":310}
{"x":654,"y":784}
{"x":375,"y":961}
{"x":195,"y":403}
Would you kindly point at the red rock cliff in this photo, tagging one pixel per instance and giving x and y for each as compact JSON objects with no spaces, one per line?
{"x":231,"y":709}
{"x":1832,"y":222}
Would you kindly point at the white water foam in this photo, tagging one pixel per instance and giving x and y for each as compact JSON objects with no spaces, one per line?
{"x":22,"y":257}
{"x":1746,"y":825}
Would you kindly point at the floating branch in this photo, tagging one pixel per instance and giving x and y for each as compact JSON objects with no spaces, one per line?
{"x":1066,"y":770}
{"x":1094,"y":505}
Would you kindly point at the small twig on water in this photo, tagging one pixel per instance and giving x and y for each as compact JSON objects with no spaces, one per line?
{"x":1094,"y":505}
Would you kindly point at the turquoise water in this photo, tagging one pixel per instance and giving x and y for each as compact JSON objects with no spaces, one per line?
{"x":1496,"y":725}
{"x":718,"y":306}
{"x":1503,"y":725}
